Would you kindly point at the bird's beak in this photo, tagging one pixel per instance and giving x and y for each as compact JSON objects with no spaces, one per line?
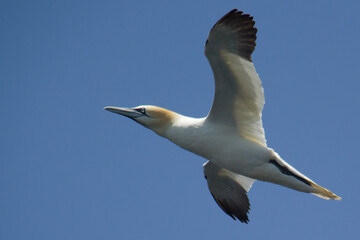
{"x":127,"y":112}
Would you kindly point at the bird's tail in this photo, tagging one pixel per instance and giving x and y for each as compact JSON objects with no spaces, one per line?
{"x":323,"y":192}
{"x":292,"y":178}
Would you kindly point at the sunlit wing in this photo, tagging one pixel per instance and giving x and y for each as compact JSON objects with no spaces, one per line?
{"x":239,"y":95}
{"x":229,"y":190}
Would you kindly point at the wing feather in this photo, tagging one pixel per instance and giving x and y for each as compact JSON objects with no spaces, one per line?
{"x":229,"y":191}
{"x":239,"y":95}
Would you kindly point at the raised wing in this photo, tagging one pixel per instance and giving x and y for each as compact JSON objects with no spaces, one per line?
{"x":229,"y":190}
{"x":239,"y":95}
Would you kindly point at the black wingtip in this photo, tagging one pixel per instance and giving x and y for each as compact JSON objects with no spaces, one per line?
{"x":236,"y":210}
{"x":228,"y":191}
{"x":243,"y":29}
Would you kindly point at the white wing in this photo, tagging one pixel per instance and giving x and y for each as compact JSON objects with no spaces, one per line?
{"x":239,"y":95}
{"x":229,"y":190}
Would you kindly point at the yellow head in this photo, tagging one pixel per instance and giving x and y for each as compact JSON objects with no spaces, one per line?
{"x":155,"y":118}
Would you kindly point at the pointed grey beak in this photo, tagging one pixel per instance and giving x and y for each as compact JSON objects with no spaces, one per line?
{"x":127,"y":112}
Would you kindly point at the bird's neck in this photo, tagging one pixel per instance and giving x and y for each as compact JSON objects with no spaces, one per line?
{"x":184,"y":131}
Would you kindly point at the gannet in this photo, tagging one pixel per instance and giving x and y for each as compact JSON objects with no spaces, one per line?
{"x":231,"y":137}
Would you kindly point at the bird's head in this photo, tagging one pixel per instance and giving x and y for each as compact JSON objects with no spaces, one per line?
{"x":155,"y":118}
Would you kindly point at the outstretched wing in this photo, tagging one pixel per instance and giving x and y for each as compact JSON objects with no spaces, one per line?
{"x":229,"y":190}
{"x":239,"y":95}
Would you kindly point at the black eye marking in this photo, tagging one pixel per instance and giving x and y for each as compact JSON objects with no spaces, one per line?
{"x":141,"y":110}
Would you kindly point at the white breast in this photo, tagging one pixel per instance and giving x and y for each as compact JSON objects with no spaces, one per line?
{"x":218,"y":144}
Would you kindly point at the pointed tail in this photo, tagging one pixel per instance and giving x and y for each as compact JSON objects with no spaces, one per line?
{"x":323,"y":192}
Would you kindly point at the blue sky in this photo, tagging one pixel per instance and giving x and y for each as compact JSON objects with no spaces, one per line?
{"x":70,"y":170}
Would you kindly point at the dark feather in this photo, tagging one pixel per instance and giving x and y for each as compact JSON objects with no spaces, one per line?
{"x":228,"y":193}
{"x":243,"y":30}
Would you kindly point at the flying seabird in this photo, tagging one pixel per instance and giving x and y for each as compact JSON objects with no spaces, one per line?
{"x":231,"y":137}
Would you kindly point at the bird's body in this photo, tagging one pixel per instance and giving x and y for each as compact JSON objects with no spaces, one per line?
{"x":231,"y":137}
{"x":227,"y":149}
{"x":218,"y":144}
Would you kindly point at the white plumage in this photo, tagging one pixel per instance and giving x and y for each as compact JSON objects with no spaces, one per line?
{"x":231,"y":137}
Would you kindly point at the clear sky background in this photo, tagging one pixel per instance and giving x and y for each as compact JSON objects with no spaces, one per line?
{"x":70,"y":170}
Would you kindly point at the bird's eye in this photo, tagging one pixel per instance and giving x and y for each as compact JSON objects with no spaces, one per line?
{"x":141,"y":110}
